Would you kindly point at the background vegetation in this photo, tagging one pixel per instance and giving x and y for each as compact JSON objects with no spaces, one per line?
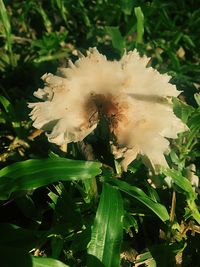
{"x":58,"y":209}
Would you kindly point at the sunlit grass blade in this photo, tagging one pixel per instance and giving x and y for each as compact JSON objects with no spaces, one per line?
{"x":6,"y":104}
{"x":7,"y":29}
{"x":184,"y":184}
{"x":194,"y":209}
{"x":5,"y":19}
{"x":181,"y":182}
{"x":31,"y":174}
{"x":11,"y":114}
{"x":60,"y":54}
{"x":140,"y":24}
{"x":62,"y":9}
{"x":42,"y":12}
{"x":90,"y":186}
{"x":118,"y":41}
{"x":138,"y":194}
{"x":107,"y":230}
{"x":197,"y":98}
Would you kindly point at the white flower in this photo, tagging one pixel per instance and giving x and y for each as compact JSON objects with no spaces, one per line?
{"x":134,"y":99}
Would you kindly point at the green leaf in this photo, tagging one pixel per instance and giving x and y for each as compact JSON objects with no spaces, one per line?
{"x":16,"y":237}
{"x":194,"y":122}
{"x":153,"y":258}
{"x":146,"y":259}
{"x":6,"y":104}
{"x":180,"y":181}
{"x":194,"y":209}
{"x":107,"y":230}
{"x":11,"y":114}
{"x":80,"y":240}
{"x":47,"y":262}
{"x":168,"y":250}
{"x":38,"y":7}
{"x":197,"y":98}
{"x":5,"y":18}
{"x":127,"y":6}
{"x":138,"y":194}
{"x":15,"y":257}
{"x":27,"y":206}
{"x":64,"y":209}
{"x":62,"y":9}
{"x":7,"y":29}
{"x":188,"y":40}
{"x":31,"y":174}
{"x":117,"y":39}
{"x":128,"y":222}
{"x":182,"y":110}
{"x":140,"y":24}
{"x":186,"y":186}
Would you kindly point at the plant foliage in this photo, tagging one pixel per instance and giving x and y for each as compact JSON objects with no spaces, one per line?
{"x":72,"y":206}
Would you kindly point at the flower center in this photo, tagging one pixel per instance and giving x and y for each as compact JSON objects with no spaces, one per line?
{"x":100,"y":106}
{"x":106,"y":105}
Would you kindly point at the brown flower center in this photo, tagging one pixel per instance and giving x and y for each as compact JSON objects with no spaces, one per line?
{"x":104,"y":106}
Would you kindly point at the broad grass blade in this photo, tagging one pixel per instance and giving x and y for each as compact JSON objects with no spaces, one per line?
{"x":47,"y":262}
{"x":138,"y":194}
{"x":31,"y":174}
{"x":107,"y":230}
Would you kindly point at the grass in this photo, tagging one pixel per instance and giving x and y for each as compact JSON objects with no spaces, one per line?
{"x":64,"y":221}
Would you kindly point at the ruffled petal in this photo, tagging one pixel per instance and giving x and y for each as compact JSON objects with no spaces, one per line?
{"x":141,"y":81}
{"x":134,"y":98}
